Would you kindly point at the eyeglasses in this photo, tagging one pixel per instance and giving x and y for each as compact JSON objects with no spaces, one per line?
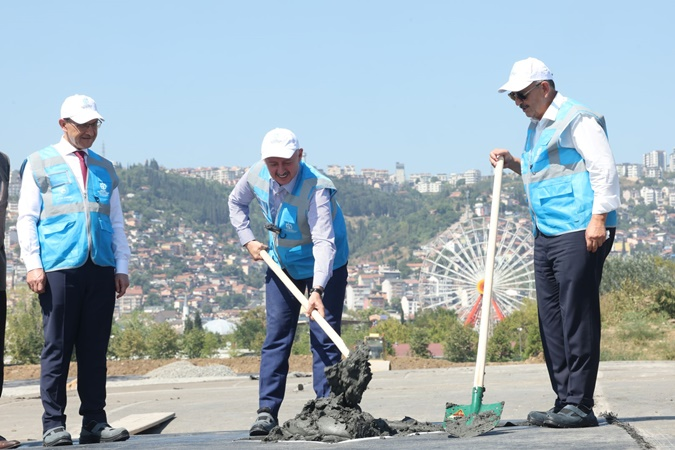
{"x":85,"y":126}
{"x":523,"y":95}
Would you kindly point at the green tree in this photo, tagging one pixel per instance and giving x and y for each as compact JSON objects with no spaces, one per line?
{"x":392,"y":330}
{"x":500,"y":347}
{"x":437,"y":323}
{"x":162,"y":341}
{"x":129,"y":334}
{"x":198,"y":321}
{"x":212,"y":342}
{"x":419,"y":342}
{"x":193,"y":343}
{"x":250,"y":332}
{"x":24,"y":332}
{"x":517,"y":336}
{"x":188,"y":326}
{"x":460,"y":344}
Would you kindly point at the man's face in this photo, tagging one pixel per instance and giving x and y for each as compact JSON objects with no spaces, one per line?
{"x":80,"y":136}
{"x":284,"y":170}
{"x":533,"y":100}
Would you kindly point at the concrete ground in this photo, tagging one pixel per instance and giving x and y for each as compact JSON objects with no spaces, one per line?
{"x":216,"y":413}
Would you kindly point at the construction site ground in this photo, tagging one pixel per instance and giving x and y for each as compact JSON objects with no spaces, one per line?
{"x":637,"y":399}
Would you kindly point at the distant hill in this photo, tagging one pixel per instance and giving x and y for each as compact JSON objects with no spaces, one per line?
{"x":381,"y":225}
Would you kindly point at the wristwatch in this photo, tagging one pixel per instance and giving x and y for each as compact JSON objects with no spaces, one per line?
{"x":318,"y":290}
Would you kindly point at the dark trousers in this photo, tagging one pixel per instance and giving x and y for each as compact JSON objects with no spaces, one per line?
{"x":77,"y":311}
{"x":567,"y":278}
{"x":3,"y":324}
{"x":283,"y":311}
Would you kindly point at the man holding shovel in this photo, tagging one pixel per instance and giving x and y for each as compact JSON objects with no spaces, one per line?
{"x":307,"y":237}
{"x":573,"y":192}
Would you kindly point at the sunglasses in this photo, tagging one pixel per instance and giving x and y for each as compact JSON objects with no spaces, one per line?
{"x":523,"y":95}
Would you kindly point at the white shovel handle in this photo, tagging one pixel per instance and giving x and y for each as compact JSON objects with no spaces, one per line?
{"x":489,"y":271}
{"x":325,"y":326}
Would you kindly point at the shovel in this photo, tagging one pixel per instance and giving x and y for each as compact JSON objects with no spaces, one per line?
{"x":325,"y":326}
{"x":478,"y":418}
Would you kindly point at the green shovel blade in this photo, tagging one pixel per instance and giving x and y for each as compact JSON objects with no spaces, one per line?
{"x":474,"y":419}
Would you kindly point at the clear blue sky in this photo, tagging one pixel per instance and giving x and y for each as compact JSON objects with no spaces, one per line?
{"x":368,"y":83}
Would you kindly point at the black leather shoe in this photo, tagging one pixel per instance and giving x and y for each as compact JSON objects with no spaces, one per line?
{"x":537,"y":418}
{"x":572,"y":416}
{"x":4,"y":443}
{"x":263,"y":424}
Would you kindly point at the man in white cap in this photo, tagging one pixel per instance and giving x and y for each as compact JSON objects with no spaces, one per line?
{"x":307,"y":237}
{"x":573,"y":193}
{"x":71,"y":233}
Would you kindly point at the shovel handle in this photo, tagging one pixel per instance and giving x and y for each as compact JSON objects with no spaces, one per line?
{"x":318,"y":318}
{"x":489,"y":271}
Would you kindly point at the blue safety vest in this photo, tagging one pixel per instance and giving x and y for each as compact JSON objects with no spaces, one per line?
{"x":291,"y":248}
{"x":73,"y":226}
{"x":557,"y":183}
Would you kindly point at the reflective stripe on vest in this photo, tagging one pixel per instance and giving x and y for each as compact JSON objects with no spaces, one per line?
{"x":557,"y":182}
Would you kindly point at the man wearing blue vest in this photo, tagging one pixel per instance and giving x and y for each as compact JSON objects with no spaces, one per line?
{"x":71,"y":233}
{"x":307,"y":237}
{"x":572,"y":189}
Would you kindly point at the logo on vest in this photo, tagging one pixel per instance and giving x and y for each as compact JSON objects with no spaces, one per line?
{"x":103,"y":190}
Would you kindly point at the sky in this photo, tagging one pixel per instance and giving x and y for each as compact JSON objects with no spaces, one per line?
{"x":363,"y":83}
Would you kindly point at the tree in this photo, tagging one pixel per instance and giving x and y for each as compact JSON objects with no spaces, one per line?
{"x":392,"y":330}
{"x":129,"y":336}
{"x":519,"y":330}
{"x":24,"y":332}
{"x":419,"y":342}
{"x":193,"y":343}
{"x":250,"y":332}
{"x":461,"y":343}
{"x":162,"y":341}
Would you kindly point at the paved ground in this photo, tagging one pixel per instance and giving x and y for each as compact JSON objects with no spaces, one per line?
{"x":215,"y":413}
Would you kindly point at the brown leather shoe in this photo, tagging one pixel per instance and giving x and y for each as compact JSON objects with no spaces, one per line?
{"x":4,"y":443}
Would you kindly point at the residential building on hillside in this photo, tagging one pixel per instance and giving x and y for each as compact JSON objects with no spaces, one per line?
{"x":633,"y":171}
{"x":655,"y":159}
{"x":399,"y":176}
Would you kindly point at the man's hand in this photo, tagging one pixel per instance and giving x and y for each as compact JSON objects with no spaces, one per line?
{"x":254,"y":248}
{"x":37,"y":280}
{"x":510,"y":161}
{"x":596,"y":233}
{"x":121,"y":283}
{"x":315,"y":302}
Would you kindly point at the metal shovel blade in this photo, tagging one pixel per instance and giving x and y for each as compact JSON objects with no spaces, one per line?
{"x":474,"y":419}
{"x":459,"y":425}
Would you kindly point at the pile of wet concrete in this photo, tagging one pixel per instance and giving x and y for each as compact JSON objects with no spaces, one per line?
{"x":339,"y":417}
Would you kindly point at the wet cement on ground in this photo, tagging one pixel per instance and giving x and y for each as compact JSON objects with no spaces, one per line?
{"x":339,"y":417}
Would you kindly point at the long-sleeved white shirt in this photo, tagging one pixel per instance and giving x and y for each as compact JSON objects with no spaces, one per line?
{"x":30,"y":206}
{"x":589,"y":139}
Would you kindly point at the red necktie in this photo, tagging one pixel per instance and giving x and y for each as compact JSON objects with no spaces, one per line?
{"x":83,"y":165}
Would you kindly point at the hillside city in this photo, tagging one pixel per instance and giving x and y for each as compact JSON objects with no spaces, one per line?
{"x":198,"y":282}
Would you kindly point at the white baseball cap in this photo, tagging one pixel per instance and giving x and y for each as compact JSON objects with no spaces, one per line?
{"x":80,"y":109}
{"x":525,"y":72}
{"x":279,"y":143}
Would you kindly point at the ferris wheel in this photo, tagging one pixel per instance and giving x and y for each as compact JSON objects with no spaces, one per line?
{"x":453,"y":270}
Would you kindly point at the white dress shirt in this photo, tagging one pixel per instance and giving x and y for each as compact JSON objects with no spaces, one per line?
{"x":589,"y":139}
{"x":30,"y":206}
